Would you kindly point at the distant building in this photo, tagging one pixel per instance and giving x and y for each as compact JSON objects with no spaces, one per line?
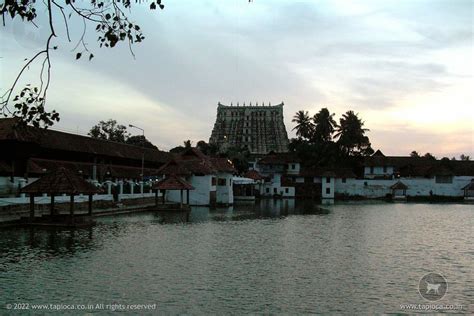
{"x":26,"y":153}
{"x":210,"y":177}
{"x":257,"y":127}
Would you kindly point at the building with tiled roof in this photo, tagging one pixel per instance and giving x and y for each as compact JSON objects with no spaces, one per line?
{"x":28,"y":152}
{"x":211,"y":177}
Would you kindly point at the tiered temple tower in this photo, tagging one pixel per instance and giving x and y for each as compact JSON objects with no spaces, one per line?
{"x":260,"y":128}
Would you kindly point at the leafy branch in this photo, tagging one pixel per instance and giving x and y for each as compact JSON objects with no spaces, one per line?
{"x":111,"y":23}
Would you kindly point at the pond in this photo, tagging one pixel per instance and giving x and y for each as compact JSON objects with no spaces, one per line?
{"x":270,"y":257}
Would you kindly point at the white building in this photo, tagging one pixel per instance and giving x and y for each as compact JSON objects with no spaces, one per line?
{"x":210,"y":177}
{"x":421,"y":176}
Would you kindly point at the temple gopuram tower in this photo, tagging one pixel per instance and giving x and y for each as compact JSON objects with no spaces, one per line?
{"x":259,"y":128}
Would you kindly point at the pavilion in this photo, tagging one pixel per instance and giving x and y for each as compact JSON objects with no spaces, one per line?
{"x":60,"y":181}
{"x":173,"y":182}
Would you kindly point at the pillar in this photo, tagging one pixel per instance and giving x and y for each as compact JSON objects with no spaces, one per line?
{"x":156,"y":197}
{"x":141,"y":187}
{"x":32,"y":207}
{"x":132,"y":187}
{"x":71,"y":209}
{"x":164,"y":194}
{"x":181,"y":200}
{"x":187,"y":196}
{"x":22,"y":184}
{"x":120,"y":190}
{"x":51,"y":206}
{"x":90,"y":205}
{"x":109,"y":187}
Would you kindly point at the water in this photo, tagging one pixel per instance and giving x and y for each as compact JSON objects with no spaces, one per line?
{"x":271,"y":258}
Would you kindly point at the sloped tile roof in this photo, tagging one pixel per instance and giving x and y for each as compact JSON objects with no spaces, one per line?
{"x":61,"y":181}
{"x":51,"y":139}
{"x":254,"y":175}
{"x":172,"y":182}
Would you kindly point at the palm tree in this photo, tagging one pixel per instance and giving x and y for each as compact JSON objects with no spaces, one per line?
{"x":303,"y":127}
{"x":352,"y":134}
{"x":324,"y":125}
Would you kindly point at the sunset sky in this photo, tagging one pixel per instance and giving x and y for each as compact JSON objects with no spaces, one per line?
{"x":405,"y":66}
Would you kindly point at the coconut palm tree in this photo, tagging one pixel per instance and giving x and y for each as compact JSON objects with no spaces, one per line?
{"x":324,"y":125}
{"x":351,"y":135}
{"x":304,"y":126}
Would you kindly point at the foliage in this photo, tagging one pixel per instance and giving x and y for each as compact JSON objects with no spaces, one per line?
{"x":465,"y":157}
{"x":188,"y":143}
{"x":207,"y":149}
{"x":303,"y":126}
{"x":429,"y":156}
{"x":111,"y":23}
{"x":140,"y":140}
{"x":414,"y":153}
{"x":324,"y":126}
{"x":109,"y":130}
{"x":351,"y":135}
{"x":239,"y":156}
{"x":322,"y":142}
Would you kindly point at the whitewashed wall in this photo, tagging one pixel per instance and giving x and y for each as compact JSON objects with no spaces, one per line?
{"x":378,"y":171}
{"x":295,"y":170}
{"x":416,"y":187}
{"x":199,"y":196}
{"x":327,"y":185}
{"x":224,"y":192}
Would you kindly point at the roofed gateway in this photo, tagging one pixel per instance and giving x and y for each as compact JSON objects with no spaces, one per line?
{"x":259,"y":128}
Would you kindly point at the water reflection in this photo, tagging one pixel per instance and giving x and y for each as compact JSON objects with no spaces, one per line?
{"x":277,"y":256}
{"x":267,"y":208}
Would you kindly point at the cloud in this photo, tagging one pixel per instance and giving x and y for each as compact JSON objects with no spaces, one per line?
{"x":376,"y":57}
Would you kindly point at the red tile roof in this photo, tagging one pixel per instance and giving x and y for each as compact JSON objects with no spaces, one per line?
{"x":172,"y":182}
{"x":61,"y":181}
{"x":193,"y":161}
{"x":51,"y":139}
{"x":253,"y":174}
{"x":223,"y":165}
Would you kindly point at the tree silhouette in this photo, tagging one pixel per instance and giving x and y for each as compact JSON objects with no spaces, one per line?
{"x":351,"y":135}
{"x":303,"y":127}
{"x":110,"y":21}
{"x":324,"y":125}
{"x":140,"y":140}
{"x":109,"y":130}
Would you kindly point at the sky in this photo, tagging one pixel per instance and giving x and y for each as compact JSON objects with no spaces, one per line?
{"x":405,"y":66}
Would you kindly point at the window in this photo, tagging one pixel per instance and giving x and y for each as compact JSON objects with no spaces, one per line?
{"x":293,"y":166}
{"x":286,"y":190}
{"x":275,"y":190}
{"x":344,"y":180}
{"x":268,"y":190}
{"x":371,"y":170}
{"x":328,"y":191}
{"x":213,"y":181}
{"x":444,"y":179}
{"x":328,"y":180}
{"x":230,"y":182}
{"x":384,"y":169}
{"x":221,"y":182}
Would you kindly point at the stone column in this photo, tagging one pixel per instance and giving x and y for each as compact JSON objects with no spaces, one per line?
{"x":120,"y":183}
{"x":141,"y":187}
{"x":132,"y":186}
{"x":22,"y":184}
{"x":109,"y":187}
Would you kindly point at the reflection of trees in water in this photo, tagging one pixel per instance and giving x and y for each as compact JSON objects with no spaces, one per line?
{"x":36,"y":243}
{"x":265,"y":208}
